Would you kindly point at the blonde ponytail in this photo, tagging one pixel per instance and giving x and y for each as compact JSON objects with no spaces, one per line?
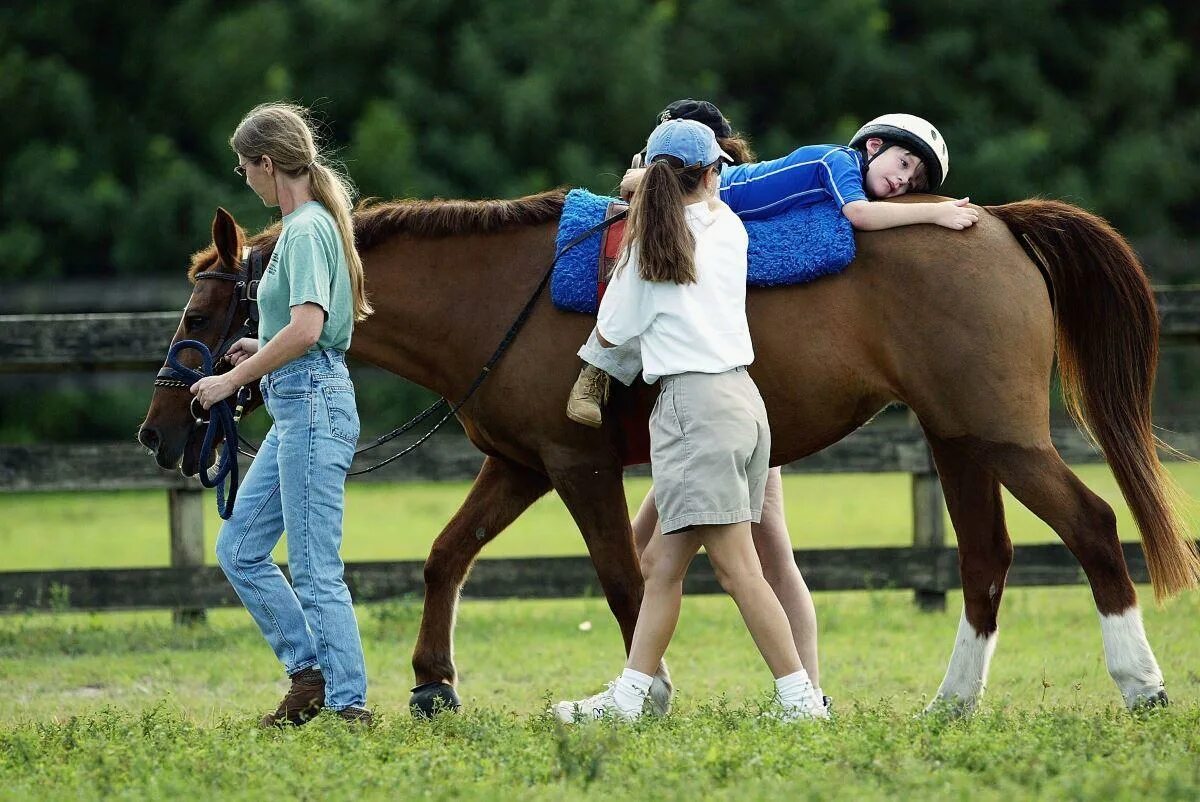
{"x":334,"y":191}
{"x":283,"y":132}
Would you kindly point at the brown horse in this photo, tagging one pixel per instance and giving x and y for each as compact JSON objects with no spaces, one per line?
{"x":960,"y":326}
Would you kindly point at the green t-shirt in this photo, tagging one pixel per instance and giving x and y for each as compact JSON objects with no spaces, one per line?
{"x":307,"y":266}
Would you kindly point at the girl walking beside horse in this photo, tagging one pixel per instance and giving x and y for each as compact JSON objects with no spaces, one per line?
{"x":887,"y":157}
{"x":310,"y":297}
{"x":681,"y":289}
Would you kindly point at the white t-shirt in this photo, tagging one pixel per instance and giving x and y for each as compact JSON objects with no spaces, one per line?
{"x":697,"y":328}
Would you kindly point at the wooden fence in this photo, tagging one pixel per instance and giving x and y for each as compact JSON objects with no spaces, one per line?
{"x":56,"y":343}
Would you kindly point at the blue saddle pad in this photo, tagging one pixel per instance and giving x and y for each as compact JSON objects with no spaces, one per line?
{"x":791,"y":248}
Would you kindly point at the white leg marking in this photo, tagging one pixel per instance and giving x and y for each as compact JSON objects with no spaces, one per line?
{"x":1130,"y":661}
{"x":966,"y":675}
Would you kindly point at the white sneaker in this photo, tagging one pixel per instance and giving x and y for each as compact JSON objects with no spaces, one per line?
{"x":811,"y":709}
{"x":593,"y":708}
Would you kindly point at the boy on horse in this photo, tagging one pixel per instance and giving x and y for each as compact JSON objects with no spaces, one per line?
{"x":888,"y":157}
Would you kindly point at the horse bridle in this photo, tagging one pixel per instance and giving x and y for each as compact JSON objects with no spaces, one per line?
{"x":245,"y":291}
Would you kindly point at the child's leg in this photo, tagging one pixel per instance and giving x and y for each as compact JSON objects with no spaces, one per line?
{"x":731,"y":551}
{"x":623,"y":363}
{"x":664,"y":564}
{"x":585,"y":402}
{"x":645,"y":522}
{"x":774,"y":546}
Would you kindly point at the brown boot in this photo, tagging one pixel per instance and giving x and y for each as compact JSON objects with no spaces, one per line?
{"x":301,"y":703}
{"x":356,"y":716}
{"x":588,"y":396}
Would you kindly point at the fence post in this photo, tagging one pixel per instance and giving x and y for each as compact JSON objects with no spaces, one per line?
{"x":929,"y":530}
{"x":187,"y":540}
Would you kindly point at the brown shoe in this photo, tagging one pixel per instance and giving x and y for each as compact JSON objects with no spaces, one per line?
{"x":356,"y":716}
{"x":301,"y":703}
{"x":588,"y":395}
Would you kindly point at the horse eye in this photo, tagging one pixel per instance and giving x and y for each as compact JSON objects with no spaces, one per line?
{"x":196,"y":321}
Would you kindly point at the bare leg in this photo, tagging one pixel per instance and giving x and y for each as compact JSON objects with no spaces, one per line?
{"x":731,"y":551}
{"x":773,"y":543}
{"x":665,"y":561}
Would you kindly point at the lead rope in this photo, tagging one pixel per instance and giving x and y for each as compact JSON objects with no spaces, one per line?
{"x":223,"y":416}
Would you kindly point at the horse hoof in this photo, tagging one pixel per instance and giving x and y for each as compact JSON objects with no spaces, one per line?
{"x":431,"y":698}
{"x":947,"y":707}
{"x":660,"y":697}
{"x":1157,"y":699}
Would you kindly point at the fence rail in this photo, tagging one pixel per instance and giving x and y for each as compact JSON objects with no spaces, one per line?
{"x":122,"y":341}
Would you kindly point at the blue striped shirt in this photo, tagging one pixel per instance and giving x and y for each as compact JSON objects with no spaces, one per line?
{"x":807,"y":175}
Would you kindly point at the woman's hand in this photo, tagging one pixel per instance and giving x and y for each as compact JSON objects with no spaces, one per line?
{"x":955,"y":214}
{"x":242,"y":350}
{"x":212,"y":389}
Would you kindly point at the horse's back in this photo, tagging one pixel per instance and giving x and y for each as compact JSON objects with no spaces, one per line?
{"x":956,"y":324}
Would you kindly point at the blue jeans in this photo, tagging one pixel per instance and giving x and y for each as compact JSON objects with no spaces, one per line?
{"x":297,"y":482}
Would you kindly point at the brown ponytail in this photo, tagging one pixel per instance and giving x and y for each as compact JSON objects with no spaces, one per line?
{"x":738,"y":147}
{"x":658,"y":226}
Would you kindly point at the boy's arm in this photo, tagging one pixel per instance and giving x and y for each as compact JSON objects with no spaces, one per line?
{"x":876,"y":215}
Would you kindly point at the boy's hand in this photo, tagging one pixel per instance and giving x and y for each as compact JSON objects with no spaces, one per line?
{"x":955,"y":214}
{"x":630,"y":181}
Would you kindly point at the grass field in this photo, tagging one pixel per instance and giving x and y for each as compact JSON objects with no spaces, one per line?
{"x":395,"y":522}
{"x":126,"y":705}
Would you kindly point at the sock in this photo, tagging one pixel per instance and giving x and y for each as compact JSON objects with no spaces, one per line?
{"x":631,"y":691}
{"x":820,"y":694}
{"x":796,"y":690}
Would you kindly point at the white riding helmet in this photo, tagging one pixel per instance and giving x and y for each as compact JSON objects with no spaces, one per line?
{"x":915,"y":133}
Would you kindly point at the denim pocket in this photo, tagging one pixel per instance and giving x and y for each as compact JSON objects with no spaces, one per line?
{"x":343,"y":416}
{"x":294,"y":384}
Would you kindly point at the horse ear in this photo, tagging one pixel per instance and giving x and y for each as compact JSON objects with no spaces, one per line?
{"x":227,"y":236}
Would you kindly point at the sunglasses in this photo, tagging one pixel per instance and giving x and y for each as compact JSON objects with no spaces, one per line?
{"x":241,"y":168}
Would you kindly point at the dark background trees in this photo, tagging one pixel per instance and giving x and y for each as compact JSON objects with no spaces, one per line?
{"x":116,"y":116}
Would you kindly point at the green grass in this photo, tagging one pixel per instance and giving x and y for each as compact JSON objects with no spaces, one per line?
{"x":124,"y":704}
{"x":399,"y":521}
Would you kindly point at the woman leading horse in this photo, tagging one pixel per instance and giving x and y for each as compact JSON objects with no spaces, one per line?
{"x":960,"y":326}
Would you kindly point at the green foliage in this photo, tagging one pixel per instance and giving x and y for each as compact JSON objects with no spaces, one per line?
{"x":118,"y":116}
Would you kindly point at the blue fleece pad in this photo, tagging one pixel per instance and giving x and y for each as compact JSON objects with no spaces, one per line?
{"x":791,"y":248}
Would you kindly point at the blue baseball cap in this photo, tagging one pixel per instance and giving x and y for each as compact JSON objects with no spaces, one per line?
{"x":692,"y":142}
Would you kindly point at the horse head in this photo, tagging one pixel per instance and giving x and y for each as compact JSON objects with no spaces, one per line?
{"x":217,"y":312}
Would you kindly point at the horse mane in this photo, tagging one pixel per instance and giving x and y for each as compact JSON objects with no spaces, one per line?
{"x":377,"y":221}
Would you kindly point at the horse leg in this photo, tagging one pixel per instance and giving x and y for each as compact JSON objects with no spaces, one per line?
{"x":500,"y":493}
{"x":1040,"y":480}
{"x":595,"y":498}
{"x":984,"y":556}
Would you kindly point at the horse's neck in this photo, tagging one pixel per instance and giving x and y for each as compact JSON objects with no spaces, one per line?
{"x":443,"y":305}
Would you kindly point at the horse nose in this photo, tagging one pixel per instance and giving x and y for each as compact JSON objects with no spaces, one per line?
{"x":148,"y":436}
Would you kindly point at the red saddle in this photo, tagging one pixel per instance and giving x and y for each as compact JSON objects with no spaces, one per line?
{"x":632,"y":405}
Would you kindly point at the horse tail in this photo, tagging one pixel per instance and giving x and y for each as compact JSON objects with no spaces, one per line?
{"x":1107,"y":331}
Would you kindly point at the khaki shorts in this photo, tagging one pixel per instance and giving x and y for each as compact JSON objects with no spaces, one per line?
{"x":710,"y":448}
